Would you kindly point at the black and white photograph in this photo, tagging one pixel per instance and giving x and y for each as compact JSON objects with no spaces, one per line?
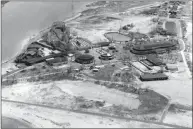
{"x":96,"y":64}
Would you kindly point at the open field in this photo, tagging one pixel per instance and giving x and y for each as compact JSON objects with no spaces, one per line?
{"x":50,"y":117}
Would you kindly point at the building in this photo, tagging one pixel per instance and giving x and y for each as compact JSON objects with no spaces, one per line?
{"x":154,"y":60}
{"x":153,"y":77}
{"x":171,"y":67}
{"x":153,"y":48}
{"x":102,"y":44}
{"x":145,"y":61}
{"x":84,"y":59}
{"x":106,"y":56}
{"x":57,"y":61}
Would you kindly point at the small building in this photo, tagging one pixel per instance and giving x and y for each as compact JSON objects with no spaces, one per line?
{"x":95,"y":70}
{"x":45,"y":51}
{"x":56,"y":51}
{"x":154,"y":60}
{"x":57,"y":61}
{"x":112,"y":48}
{"x":145,"y":61}
{"x":29,"y":52}
{"x":106,"y":56}
{"x":153,"y":77}
{"x":84,"y":59}
{"x":171,"y":67}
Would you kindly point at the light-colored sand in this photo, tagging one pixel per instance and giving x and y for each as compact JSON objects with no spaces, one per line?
{"x":49,"y":118}
{"x":179,"y":118}
{"x":29,"y":92}
{"x":178,"y":87}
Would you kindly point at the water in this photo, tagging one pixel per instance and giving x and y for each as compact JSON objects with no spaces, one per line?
{"x":20,"y":20}
{"x":117,"y":37}
{"x":14,"y":123}
{"x":171,"y":26}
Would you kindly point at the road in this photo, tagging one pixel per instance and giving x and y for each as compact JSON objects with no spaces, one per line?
{"x":92,"y":113}
{"x":13,"y":72}
{"x":164,"y":113}
{"x":179,"y":34}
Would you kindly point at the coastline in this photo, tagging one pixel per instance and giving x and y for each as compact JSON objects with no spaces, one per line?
{"x":9,"y":64}
{"x":36,"y":36}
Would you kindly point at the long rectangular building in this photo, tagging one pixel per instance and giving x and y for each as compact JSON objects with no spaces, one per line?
{"x":153,"y":77}
{"x":154,"y":60}
{"x":153,"y":48}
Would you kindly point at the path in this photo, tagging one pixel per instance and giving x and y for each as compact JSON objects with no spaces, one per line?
{"x":165,"y":111}
{"x":179,"y":34}
{"x":91,"y":113}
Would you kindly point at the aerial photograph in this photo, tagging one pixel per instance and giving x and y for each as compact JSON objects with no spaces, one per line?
{"x":96,"y":64}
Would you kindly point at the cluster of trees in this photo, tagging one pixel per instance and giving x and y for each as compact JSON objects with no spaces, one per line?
{"x":127,"y":27}
{"x":155,"y":19}
{"x":184,"y":27}
{"x":127,"y":76}
{"x":177,"y":2}
{"x":163,"y":13}
{"x":152,"y":11}
{"x":161,"y":31}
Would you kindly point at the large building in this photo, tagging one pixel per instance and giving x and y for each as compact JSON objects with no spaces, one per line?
{"x":154,"y":60}
{"x":84,"y":59}
{"x":155,"y":48}
{"x":57,"y":61}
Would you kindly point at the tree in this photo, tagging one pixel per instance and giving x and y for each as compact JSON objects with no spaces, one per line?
{"x":86,"y":51}
{"x":69,"y":70}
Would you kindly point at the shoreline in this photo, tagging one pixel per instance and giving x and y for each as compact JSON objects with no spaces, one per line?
{"x":35,"y":36}
{"x":38,"y":35}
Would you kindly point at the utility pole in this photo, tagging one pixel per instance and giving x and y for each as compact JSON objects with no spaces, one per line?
{"x":72,"y":8}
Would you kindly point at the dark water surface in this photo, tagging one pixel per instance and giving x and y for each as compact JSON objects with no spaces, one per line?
{"x":23,"y":19}
{"x":14,"y":123}
{"x":171,"y":26}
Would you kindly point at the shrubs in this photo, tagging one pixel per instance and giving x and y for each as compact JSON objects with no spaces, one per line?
{"x":155,"y":19}
{"x":97,"y":82}
{"x":43,"y":67}
{"x":128,"y":76}
{"x":9,"y":82}
{"x":161,"y":31}
{"x":86,"y":51}
{"x":22,"y":71}
{"x":152,"y":11}
{"x":34,"y":69}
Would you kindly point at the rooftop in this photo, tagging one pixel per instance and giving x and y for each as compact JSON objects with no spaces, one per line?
{"x":85,"y":57}
{"x":57,"y":60}
{"x":163,"y":44}
{"x":154,"y":60}
{"x":153,"y":76}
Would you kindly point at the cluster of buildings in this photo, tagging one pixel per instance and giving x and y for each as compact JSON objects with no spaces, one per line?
{"x":174,"y":9}
{"x":152,"y":62}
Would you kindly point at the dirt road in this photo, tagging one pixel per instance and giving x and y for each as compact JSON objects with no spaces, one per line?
{"x":96,"y":114}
